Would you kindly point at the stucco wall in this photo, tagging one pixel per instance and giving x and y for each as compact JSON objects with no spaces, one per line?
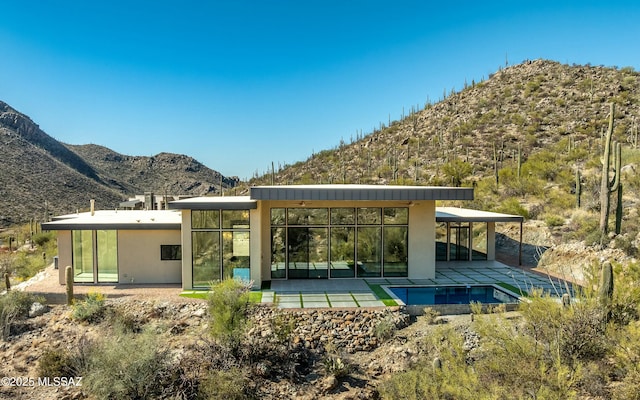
{"x":139,"y":257}
{"x":422,"y":240}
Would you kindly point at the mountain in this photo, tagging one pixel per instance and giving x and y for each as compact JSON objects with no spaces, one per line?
{"x":40,"y":176}
{"x":534,"y":105}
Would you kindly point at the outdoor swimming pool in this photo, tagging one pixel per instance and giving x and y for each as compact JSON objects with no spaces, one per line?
{"x":436,"y":295}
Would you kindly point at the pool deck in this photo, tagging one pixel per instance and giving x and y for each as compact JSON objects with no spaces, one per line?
{"x":323,"y":293}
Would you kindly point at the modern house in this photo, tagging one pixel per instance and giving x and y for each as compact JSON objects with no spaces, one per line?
{"x":279,"y":232}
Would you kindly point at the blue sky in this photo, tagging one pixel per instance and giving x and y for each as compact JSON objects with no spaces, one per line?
{"x":239,"y":84}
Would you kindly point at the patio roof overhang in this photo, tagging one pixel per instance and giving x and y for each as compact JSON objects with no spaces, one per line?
{"x":117,"y":220}
{"x":215,"y":203}
{"x":359,"y":193}
{"x":454,"y":214}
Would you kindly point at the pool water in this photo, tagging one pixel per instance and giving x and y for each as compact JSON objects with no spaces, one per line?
{"x":431,"y":295}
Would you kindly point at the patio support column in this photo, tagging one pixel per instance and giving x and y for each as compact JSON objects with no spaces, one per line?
{"x":448,"y":241}
{"x":520,"y":249}
{"x":187,"y":259}
{"x":470,"y":241}
{"x":491,"y":241}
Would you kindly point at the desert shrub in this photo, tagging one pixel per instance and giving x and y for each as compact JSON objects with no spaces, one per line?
{"x":42,"y":238}
{"x":91,"y":309}
{"x":553,"y":220}
{"x":122,"y":321}
{"x":229,"y":308}
{"x":55,"y":362}
{"x":384,"y":329}
{"x":128,"y":366}
{"x":334,"y":363}
{"x":14,"y":306}
{"x":226,"y":385}
{"x":513,"y":206}
{"x":584,"y":226}
{"x":430,"y":315}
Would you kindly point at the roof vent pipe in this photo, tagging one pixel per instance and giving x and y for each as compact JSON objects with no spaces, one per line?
{"x":93,"y":207}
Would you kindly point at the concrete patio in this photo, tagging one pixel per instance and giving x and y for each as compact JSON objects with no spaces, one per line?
{"x":325,"y":293}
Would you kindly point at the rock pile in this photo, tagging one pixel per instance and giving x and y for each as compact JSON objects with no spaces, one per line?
{"x":351,"y":330}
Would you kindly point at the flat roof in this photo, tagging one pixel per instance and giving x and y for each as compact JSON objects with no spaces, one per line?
{"x":454,"y":214}
{"x":214,"y":203}
{"x":359,"y":192}
{"x":117,"y":219}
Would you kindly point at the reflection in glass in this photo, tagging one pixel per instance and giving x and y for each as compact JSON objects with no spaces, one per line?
{"x":278,"y":253}
{"x":343,"y":252}
{"x":308,"y":216}
{"x":395,"y":251}
{"x":343,"y":216}
{"x":206,"y":258}
{"x":82,"y":257}
{"x":441,"y":241}
{"x":205,"y":219}
{"x":369,"y":216}
{"x":480,"y":241}
{"x":235,"y":219}
{"x":235,"y":255}
{"x":369,"y":251}
{"x":396,"y":216}
{"x":277,"y":216}
{"x":107,"y":251}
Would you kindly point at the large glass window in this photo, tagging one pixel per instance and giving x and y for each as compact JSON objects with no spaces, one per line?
{"x":82,"y":256}
{"x":395,"y":251}
{"x":369,"y":251}
{"x":343,"y":252}
{"x":234,"y":219}
{"x":206,"y":258}
{"x":340,"y":242}
{"x":220,"y":246}
{"x":101,"y":268}
{"x":107,"y":255}
{"x":205,"y":219}
{"x":278,"y":253}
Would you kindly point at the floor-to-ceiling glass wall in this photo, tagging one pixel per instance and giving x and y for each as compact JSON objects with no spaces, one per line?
{"x":339,"y":242}
{"x":220,"y":245}
{"x":103,"y":268}
{"x":107,"y":255}
{"x":82,"y":256}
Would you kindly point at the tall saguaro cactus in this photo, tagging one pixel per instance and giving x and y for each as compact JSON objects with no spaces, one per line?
{"x":609,"y":186}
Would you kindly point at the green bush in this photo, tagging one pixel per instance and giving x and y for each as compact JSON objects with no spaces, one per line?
{"x":225,"y":385}
{"x":128,"y":366}
{"x":90,"y":309}
{"x":43,"y":238}
{"x":229,"y":308}
{"x":513,"y":206}
{"x":384,"y":329}
{"x":14,"y":306}
{"x":55,"y":362}
{"x":553,"y":220}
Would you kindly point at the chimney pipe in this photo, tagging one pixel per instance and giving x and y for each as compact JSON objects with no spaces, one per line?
{"x":93,"y":207}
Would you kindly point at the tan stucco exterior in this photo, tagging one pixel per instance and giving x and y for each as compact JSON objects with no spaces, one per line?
{"x":139,"y":257}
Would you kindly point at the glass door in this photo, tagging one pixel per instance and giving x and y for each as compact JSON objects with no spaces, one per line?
{"x":307,"y":253}
{"x":459,"y":243}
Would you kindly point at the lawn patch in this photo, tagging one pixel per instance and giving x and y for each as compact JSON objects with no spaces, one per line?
{"x":382,"y":295}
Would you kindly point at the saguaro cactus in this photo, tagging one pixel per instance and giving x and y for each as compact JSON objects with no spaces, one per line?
{"x":609,"y":186}
{"x":7,"y":281}
{"x":578,"y":189}
{"x":68,"y":275}
{"x":606,"y":283}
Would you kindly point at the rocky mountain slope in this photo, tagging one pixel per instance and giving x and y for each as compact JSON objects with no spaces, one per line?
{"x":534,"y":104}
{"x":40,"y":175}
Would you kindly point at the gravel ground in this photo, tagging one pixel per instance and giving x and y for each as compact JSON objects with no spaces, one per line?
{"x":46,"y":283}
